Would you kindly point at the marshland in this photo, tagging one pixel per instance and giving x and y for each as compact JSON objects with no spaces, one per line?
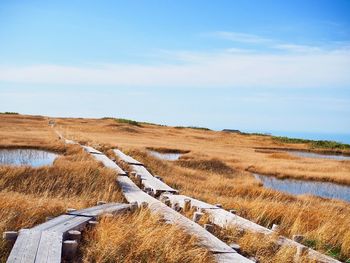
{"x":212,"y":166}
{"x":188,"y":131}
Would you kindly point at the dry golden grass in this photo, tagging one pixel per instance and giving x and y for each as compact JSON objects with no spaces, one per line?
{"x":74,"y":175}
{"x":75,"y":180}
{"x":141,"y":237}
{"x":28,"y":195}
{"x":28,"y":132}
{"x":19,"y":210}
{"x":238,"y":151}
{"x":323,"y":222}
{"x":265,"y":249}
{"x":215,"y":170}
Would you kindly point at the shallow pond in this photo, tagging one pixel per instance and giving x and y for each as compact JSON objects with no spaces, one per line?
{"x":30,"y":157}
{"x":319,"y":155}
{"x":297,"y":187}
{"x":165,"y":156}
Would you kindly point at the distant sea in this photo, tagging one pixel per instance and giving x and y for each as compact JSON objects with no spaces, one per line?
{"x":343,"y":138}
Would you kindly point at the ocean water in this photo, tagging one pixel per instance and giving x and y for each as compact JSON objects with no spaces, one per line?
{"x":343,"y":138}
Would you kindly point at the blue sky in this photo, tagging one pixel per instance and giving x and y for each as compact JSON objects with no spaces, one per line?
{"x":250,"y":65}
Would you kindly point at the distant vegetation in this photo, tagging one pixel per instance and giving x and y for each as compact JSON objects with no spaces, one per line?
{"x":127,"y":121}
{"x":9,"y":112}
{"x":192,"y":127}
{"x":255,"y":133}
{"x":121,"y":120}
{"x":132,"y":122}
{"x":139,"y":123}
{"x":313,"y":143}
{"x":154,"y":124}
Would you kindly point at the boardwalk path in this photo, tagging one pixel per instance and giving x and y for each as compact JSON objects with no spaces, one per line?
{"x":217,"y":215}
{"x":43,"y":243}
{"x":223,"y":253}
{"x":223,"y":218}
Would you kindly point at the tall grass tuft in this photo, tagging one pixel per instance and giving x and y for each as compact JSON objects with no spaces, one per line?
{"x":141,"y":237}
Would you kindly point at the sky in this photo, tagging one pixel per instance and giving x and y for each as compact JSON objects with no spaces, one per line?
{"x":259,"y":65}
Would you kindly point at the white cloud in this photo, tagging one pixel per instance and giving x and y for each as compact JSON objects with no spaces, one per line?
{"x":275,"y":44}
{"x":221,"y":69}
{"x":298,"y":48}
{"x":240,"y":37}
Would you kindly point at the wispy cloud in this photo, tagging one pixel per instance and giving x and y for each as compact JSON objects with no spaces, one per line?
{"x":298,"y":66}
{"x":240,"y":37}
{"x":220,"y":69}
{"x":271,"y":43}
{"x":298,"y":48}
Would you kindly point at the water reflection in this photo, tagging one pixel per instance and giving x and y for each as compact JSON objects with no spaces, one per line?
{"x":319,"y":155}
{"x":296,"y":187}
{"x":165,"y":156}
{"x":30,"y":157}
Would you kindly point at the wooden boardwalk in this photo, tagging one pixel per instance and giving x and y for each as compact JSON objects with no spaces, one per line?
{"x":218,"y":216}
{"x":149,"y":181}
{"x":134,"y":194}
{"x":99,"y":156}
{"x":126,"y":158}
{"x":43,"y":243}
{"x":224,"y":219}
{"x":221,"y":250}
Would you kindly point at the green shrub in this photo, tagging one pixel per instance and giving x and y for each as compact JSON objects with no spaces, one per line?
{"x":9,"y":113}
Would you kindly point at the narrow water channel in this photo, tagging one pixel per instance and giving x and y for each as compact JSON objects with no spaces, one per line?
{"x":31,"y":157}
{"x":297,"y":187}
{"x":338,"y":157}
{"x":165,"y":156}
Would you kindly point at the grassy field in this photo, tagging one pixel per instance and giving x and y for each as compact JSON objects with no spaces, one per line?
{"x":215,"y":168}
{"x":75,"y":180}
{"x":241,"y":152}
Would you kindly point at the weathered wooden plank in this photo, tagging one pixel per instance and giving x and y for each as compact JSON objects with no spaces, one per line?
{"x":16,"y":252}
{"x":50,"y":248}
{"x":142,"y":171}
{"x":126,"y":158}
{"x":219,"y":216}
{"x":95,"y":211}
{"x":109,"y":163}
{"x":224,"y":219}
{"x":24,"y":251}
{"x":89,"y":149}
{"x":133,"y":194}
{"x":69,"y":142}
{"x":180,"y":199}
{"x":230,"y":258}
{"x":52,"y":223}
{"x":148,"y":180}
{"x":43,"y":243}
{"x":75,"y":223}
